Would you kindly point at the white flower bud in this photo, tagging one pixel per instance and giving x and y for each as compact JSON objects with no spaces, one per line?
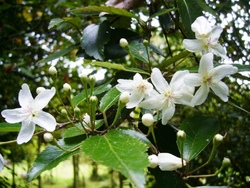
{"x":169,"y":162}
{"x":40,"y":89}
{"x":217,"y":140}
{"x":147,"y":119}
{"x":124,"y":97}
{"x":123,"y":42}
{"x":153,"y":161}
{"x":226,"y":162}
{"x":66,"y":87}
{"x":181,"y":135}
{"x":48,"y":137}
{"x":52,"y":70}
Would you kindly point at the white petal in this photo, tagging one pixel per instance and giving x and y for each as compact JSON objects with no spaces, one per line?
{"x":221,"y":90}
{"x":169,"y":162}
{"x":43,"y":98}
{"x":1,"y":162}
{"x":125,"y":85}
{"x":186,"y":98}
{"x":218,"y":50}
{"x":158,"y":80}
{"x":221,"y":71}
{"x":26,"y":132}
{"x":200,"y":95}
{"x":167,"y":114}
{"x":45,"y":120}
{"x":193,"y":45}
{"x":14,"y":115}
{"x":215,"y":34}
{"x":201,"y":27}
{"x":193,"y":79}
{"x":206,"y":64}
{"x":155,"y":102}
{"x":177,"y":80}
{"x":25,"y":98}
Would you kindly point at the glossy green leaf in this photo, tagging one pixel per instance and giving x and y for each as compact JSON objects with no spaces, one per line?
{"x":50,"y":158}
{"x":118,"y":67}
{"x":120,"y":152}
{"x":138,"y":50}
{"x":93,"y":10}
{"x":109,"y":99}
{"x":94,"y":38}
{"x":97,"y":90}
{"x":7,"y":127}
{"x":200,"y":130}
{"x":59,"y":53}
{"x":55,"y":22}
{"x":189,"y":11}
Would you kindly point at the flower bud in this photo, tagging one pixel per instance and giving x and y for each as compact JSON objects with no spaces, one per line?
{"x":77,"y":111}
{"x":66,"y":87}
{"x":145,"y":42}
{"x":124,"y":97}
{"x":226,"y":162}
{"x":40,"y":89}
{"x":52,"y":70}
{"x":93,"y":100}
{"x":169,"y":162}
{"x":181,"y":135}
{"x":84,"y":78}
{"x":123,"y":42}
{"x":64,"y":112}
{"x":218,"y":138}
{"x":147,"y":119}
{"x":92,"y":81}
{"x":153,"y":161}
{"x":48,"y":137}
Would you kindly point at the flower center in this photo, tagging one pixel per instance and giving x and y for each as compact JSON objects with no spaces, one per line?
{"x":142,"y":88}
{"x":207,"y":79}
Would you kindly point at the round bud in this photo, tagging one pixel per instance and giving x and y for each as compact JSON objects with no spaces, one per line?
{"x":48,"y":137}
{"x":123,"y":42}
{"x":66,"y":87}
{"x":64,"y":112}
{"x":145,"y":42}
{"x":52,"y":70}
{"x":181,"y":134}
{"x":92,"y":81}
{"x":77,"y":111}
{"x":124,"y":97}
{"x":153,"y":161}
{"x":84,"y":78}
{"x":40,"y":89}
{"x":226,"y":162}
{"x":93,"y":100}
{"x":147,"y":119}
{"x":218,"y":138}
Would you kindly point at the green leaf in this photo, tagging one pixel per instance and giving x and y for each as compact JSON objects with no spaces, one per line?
{"x":55,"y":22}
{"x":118,"y":67}
{"x":189,"y":11}
{"x":50,"y":158}
{"x":138,"y":50}
{"x":7,"y":127}
{"x":59,"y":53}
{"x":93,"y":10}
{"x":200,"y":130}
{"x":120,"y":152}
{"x":97,"y":90}
{"x":109,"y":99}
{"x":94,"y":38}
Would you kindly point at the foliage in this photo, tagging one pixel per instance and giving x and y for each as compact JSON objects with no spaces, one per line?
{"x":92,"y":120}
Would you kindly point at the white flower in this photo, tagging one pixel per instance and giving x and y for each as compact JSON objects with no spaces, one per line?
{"x":169,"y":94}
{"x":169,"y":162}
{"x":31,"y":113}
{"x":209,"y":77}
{"x":1,"y":162}
{"x":138,"y":88}
{"x":206,"y":38}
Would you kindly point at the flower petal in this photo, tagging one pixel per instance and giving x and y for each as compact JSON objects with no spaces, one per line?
{"x":159,"y":81}
{"x":193,"y":79}
{"x":45,"y":120}
{"x":201,"y":27}
{"x":215,"y":34}
{"x":193,"y":45}
{"x":221,"y":71}
{"x":221,"y":90}
{"x":134,"y":100}
{"x":26,"y":132}
{"x":200,"y":95}
{"x":14,"y":115}
{"x":169,"y":162}
{"x":43,"y":98}
{"x":218,"y":50}
{"x":155,"y":102}
{"x":206,"y":64}
{"x":25,"y":98}
{"x":177,"y":80}
{"x":167,"y":114}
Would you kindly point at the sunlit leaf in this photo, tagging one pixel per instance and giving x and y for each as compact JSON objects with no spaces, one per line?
{"x":200,"y":130}
{"x":138,"y":50}
{"x":120,"y":152}
{"x":109,"y":99}
{"x":118,"y":67}
{"x":50,"y":158}
{"x":55,"y":22}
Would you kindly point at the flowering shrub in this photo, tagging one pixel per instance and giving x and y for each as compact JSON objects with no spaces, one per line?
{"x":110,"y":118}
